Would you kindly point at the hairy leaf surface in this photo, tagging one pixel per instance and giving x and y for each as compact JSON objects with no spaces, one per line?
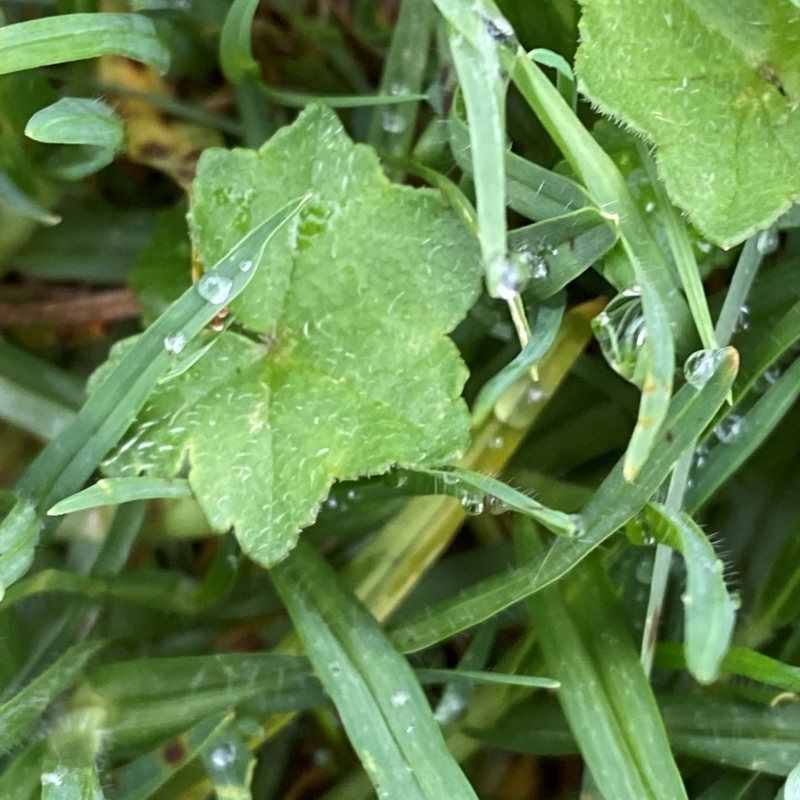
{"x":343,"y":368}
{"x":715,"y":84}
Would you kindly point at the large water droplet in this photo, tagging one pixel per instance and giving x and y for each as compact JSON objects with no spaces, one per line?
{"x":223,"y":755}
{"x":729,"y":429}
{"x":214,"y":288}
{"x":767,"y":241}
{"x":175,"y":342}
{"x":494,"y":505}
{"x":393,"y":122}
{"x":621,"y":332}
{"x":508,"y":276}
{"x":473,"y":505}
{"x":701,"y":365}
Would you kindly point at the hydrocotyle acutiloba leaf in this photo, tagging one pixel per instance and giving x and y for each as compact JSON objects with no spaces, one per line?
{"x":715,"y":84}
{"x":342,"y":367}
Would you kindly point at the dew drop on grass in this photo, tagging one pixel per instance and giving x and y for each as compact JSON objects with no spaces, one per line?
{"x":700,"y":456}
{"x":449,"y":478}
{"x":535,"y":262}
{"x":352,"y":494}
{"x":246,"y":266}
{"x":175,"y":342}
{"x":214,"y":288}
{"x":399,"y":699}
{"x":534,"y":393}
{"x":331,"y":503}
{"x":621,"y":332}
{"x":767,"y":241}
{"x":52,"y":779}
{"x":507,"y":276}
{"x":701,"y":365}
{"x":496,"y":506}
{"x":393,"y":122}
{"x":496,"y":442}
{"x":223,"y":755}
{"x":472,"y":505}
{"x":729,"y":429}
{"x":580,"y":525}
{"x":743,"y":320}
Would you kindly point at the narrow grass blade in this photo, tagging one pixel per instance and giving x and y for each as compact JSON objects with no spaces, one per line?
{"x":142,"y":777}
{"x":472,"y":676}
{"x":382,"y":706}
{"x":22,"y":777}
{"x":69,"y":771}
{"x":25,"y":709}
{"x":74,"y":37}
{"x":96,"y":132}
{"x":19,"y":532}
{"x":392,"y":129}
{"x":533,"y":191}
{"x":604,"y":692}
{"x":614,"y":503}
{"x":478,"y":491}
{"x":113,"y":491}
{"x":682,"y":253}
{"x":739,"y":661}
{"x":565,"y":77}
{"x":32,"y":412}
{"x":235,"y":53}
{"x":13,"y":197}
{"x":709,"y":610}
{"x":546,"y":325}
{"x":732,"y":786}
{"x":65,"y":464}
{"x":229,"y":764}
{"x":751,"y":432}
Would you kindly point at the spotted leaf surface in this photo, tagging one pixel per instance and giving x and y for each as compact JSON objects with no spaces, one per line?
{"x":715,"y":84}
{"x":339,"y":365}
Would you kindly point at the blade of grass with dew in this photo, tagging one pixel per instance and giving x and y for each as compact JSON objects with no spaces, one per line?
{"x":113,"y":491}
{"x":25,"y":709}
{"x":301,"y":100}
{"x":533,"y":191}
{"x":682,"y":253}
{"x":65,"y":464}
{"x":709,"y":609}
{"x":549,"y":316}
{"x":74,"y":37}
{"x":743,"y":277}
{"x":139,"y":779}
{"x":614,"y":503}
{"x":474,"y":488}
{"x":664,"y":308}
{"x":91,"y":125}
{"x":751,"y":431}
{"x":604,"y":692}
{"x":562,"y":248}
{"x":392,"y":131}
{"x":382,"y":706}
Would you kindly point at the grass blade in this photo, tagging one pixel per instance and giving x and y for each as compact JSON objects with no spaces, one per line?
{"x":113,"y":491}
{"x":478,"y":676}
{"x":604,"y":692}
{"x":235,"y":53}
{"x":710,"y":611}
{"x":74,"y":37}
{"x":25,"y":709}
{"x":382,"y":706}
{"x":614,"y":503}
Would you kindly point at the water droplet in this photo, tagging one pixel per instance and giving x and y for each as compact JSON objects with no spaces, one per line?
{"x":223,"y":755}
{"x":701,"y":365}
{"x":580,"y":525}
{"x":743,"y":320}
{"x":399,"y":88}
{"x":729,"y":429}
{"x":767,"y":241}
{"x":393,"y":122}
{"x":175,"y":342}
{"x":52,"y":779}
{"x":214,"y":288}
{"x":494,"y":505}
{"x":534,"y":393}
{"x":472,"y":505}
{"x":410,"y":729}
{"x":535,"y":262}
{"x":508,"y":276}
{"x":687,"y":599}
{"x":621,"y":332}
{"x":767,"y":379}
{"x":649,"y":207}
{"x":399,"y":699}
{"x":496,"y":442}
{"x":449,"y":478}
{"x":352,"y":494}
{"x":331,"y":503}
{"x":246,"y":266}
{"x":644,"y":571}
{"x":701,"y":456}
